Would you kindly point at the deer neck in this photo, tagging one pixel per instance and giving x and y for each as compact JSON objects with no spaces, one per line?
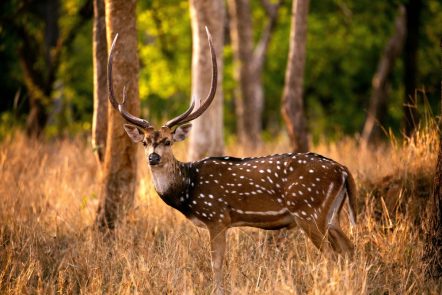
{"x":170,"y":179}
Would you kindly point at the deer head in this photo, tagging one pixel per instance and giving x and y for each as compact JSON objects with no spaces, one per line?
{"x":158,"y":143}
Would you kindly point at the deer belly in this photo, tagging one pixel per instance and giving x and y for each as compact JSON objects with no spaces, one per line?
{"x":263,"y":219}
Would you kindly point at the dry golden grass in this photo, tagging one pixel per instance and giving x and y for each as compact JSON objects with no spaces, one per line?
{"x":48,"y":199}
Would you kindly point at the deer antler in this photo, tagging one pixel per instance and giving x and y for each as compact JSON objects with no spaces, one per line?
{"x":201,"y":108}
{"x":185,"y":117}
{"x":120,"y":107}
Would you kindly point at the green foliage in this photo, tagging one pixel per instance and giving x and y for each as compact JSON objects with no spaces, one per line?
{"x":72,"y":95}
{"x":429,"y":58}
{"x":343,"y":49}
{"x":45,"y":60}
{"x":345,"y":41}
{"x":165,"y":52}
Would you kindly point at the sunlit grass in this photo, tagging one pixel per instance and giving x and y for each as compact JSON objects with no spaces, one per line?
{"x":49,"y":191}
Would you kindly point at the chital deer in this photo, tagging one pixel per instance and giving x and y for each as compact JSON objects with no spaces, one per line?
{"x":272,"y":192}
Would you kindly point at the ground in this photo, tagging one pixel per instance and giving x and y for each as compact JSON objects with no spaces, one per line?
{"x":48,"y":202}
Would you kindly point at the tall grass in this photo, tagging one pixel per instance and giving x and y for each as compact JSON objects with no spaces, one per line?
{"x":48,"y":199}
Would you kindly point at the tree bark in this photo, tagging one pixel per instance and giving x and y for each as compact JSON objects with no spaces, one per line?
{"x":411,"y":116}
{"x":248,"y":106}
{"x":119,"y":173}
{"x":378,"y":99}
{"x":248,"y":62}
{"x":433,"y":240}
{"x":206,"y":137}
{"x":99,"y":119}
{"x":292,"y":106}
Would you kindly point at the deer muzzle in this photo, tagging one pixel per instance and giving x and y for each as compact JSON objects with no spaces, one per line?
{"x":154,"y":159}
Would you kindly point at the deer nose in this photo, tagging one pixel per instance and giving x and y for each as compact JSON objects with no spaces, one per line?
{"x":154,"y":159}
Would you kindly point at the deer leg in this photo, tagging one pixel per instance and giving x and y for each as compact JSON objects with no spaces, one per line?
{"x":314,"y":233}
{"x":218,"y":246}
{"x":339,"y":241}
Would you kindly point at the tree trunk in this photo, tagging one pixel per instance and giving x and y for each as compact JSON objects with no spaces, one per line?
{"x":411,"y":119}
{"x":119,"y":173}
{"x":99,"y":119}
{"x":38,"y":115}
{"x":292,"y":106}
{"x":433,"y":239}
{"x":206,"y":137}
{"x":248,"y":101}
{"x":249,"y":61}
{"x":378,"y":99}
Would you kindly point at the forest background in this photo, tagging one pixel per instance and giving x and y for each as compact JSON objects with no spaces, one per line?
{"x":344,"y":44}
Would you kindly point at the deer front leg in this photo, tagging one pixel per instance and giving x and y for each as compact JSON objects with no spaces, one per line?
{"x":218,"y":246}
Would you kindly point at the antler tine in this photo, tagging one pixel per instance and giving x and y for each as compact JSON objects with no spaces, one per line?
{"x":201,"y":108}
{"x":120,"y":107}
{"x":176,"y":120}
{"x":213,"y":85}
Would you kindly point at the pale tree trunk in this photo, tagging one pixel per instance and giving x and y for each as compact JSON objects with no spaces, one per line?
{"x":248,"y":107}
{"x":119,"y":172}
{"x":292,"y":105}
{"x":99,"y":119}
{"x":248,"y":62}
{"x":206,"y":137}
{"x":378,"y":99}
{"x":411,"y":116}
{"x":433,"y":239}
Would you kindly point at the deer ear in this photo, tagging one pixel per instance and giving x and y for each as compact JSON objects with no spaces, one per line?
{"x":181,"y":132}
{"x":134,"y":133}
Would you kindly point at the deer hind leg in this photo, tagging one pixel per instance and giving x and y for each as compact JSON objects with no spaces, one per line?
{"x":314,"y":233}
{"x":333,"y":238}
{"x":338,"y":240}
{"x":218,"y":246}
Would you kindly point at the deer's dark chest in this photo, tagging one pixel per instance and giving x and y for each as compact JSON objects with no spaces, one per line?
{"x":179,"y":193}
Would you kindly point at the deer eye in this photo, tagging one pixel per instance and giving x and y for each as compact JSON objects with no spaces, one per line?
{"x":167,"y":143}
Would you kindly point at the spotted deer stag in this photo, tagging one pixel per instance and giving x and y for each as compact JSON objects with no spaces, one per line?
{"x":272,"y":192}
